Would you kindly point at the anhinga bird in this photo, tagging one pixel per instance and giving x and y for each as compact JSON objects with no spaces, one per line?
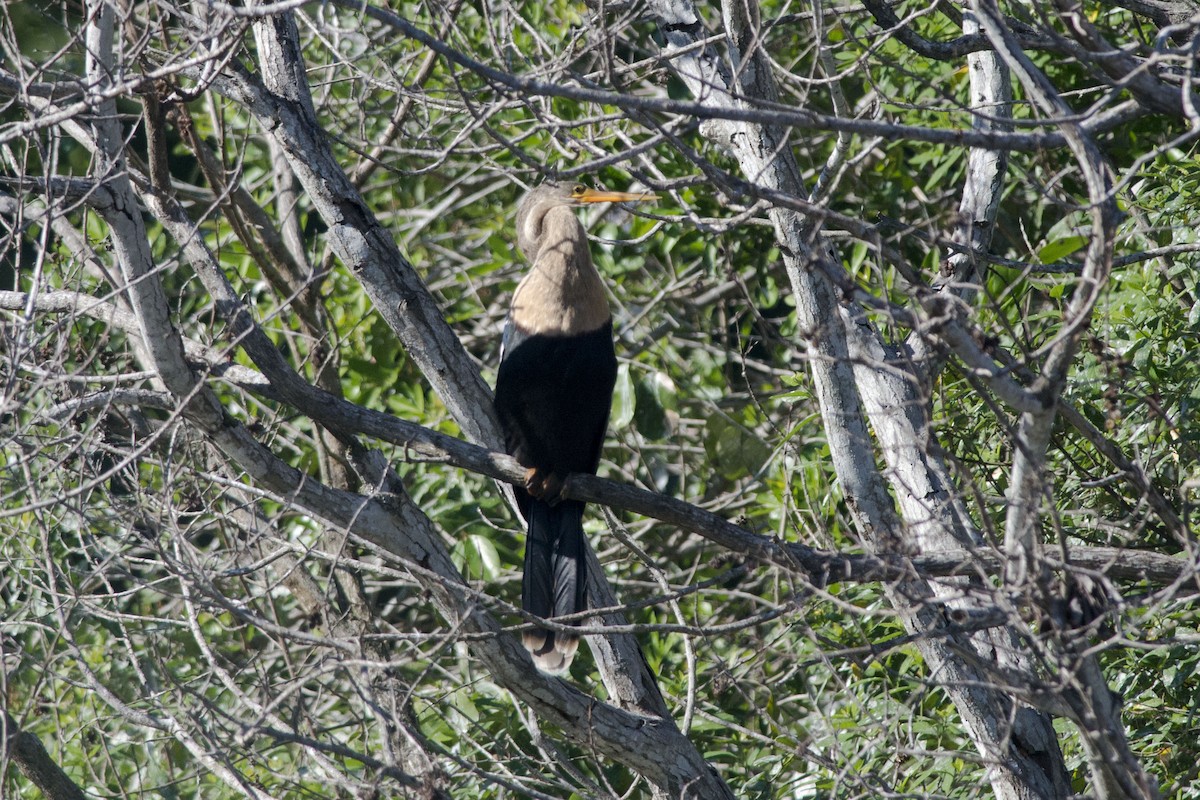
{"x":553,"y":393}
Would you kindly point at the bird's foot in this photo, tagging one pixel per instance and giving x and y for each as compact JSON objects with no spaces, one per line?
{"x":545,"y":486}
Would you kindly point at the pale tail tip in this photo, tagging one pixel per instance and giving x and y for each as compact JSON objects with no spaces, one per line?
{"x":552,"y":652}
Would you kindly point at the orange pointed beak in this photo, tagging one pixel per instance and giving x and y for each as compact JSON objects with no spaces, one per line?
{"x":598,"y":196}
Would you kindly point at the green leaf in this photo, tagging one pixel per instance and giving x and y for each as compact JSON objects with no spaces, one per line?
{"x":489,"y":559}
{"x":1059,"y":249}
{"x":655,"y":395}
{"x":734,"y":451}
{"x":624,"y":399}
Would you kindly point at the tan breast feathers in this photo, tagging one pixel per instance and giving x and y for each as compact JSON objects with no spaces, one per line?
{"x":562,"y":294}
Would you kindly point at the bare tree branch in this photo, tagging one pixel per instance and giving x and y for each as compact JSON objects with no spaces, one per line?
{"x":27,"y":752}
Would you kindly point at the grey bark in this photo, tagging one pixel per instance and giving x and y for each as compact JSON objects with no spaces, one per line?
{"x":397,"y":292}
{"x":26,"y":751}
{"x":898,"y":399}
{"x":648,"y":744}
{"x":929,"y":511}
{"x":1028,"y":763}
{"x":1116,"y":771}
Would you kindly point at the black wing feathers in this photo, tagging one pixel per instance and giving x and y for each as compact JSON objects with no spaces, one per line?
{"x":553,"y":395}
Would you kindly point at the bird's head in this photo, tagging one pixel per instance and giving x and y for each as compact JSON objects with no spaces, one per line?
{"x":550,"y":195}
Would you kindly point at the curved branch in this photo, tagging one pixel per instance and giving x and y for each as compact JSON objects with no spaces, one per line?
{"x":424,"y":445}
{"x":1115,"y":769}
{"x":284,"y":107}
{"x":35,"y":763}
{"x":761,"y":112}
{"x":968,"y":43}
{"x":1027,"y":766}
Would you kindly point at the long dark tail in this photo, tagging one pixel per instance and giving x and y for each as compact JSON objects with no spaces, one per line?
{"x":555,"y":581}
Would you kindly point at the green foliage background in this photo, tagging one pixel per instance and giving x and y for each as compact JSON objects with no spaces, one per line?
{"x":803,"y":692}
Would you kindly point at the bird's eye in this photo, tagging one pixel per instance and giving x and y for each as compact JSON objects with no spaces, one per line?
{"x":578,"y":190}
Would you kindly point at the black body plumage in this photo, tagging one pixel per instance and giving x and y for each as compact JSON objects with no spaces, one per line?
{"x":553,"y":394}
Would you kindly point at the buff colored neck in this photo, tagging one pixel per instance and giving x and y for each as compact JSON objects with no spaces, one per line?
{"x":562,"y":294}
